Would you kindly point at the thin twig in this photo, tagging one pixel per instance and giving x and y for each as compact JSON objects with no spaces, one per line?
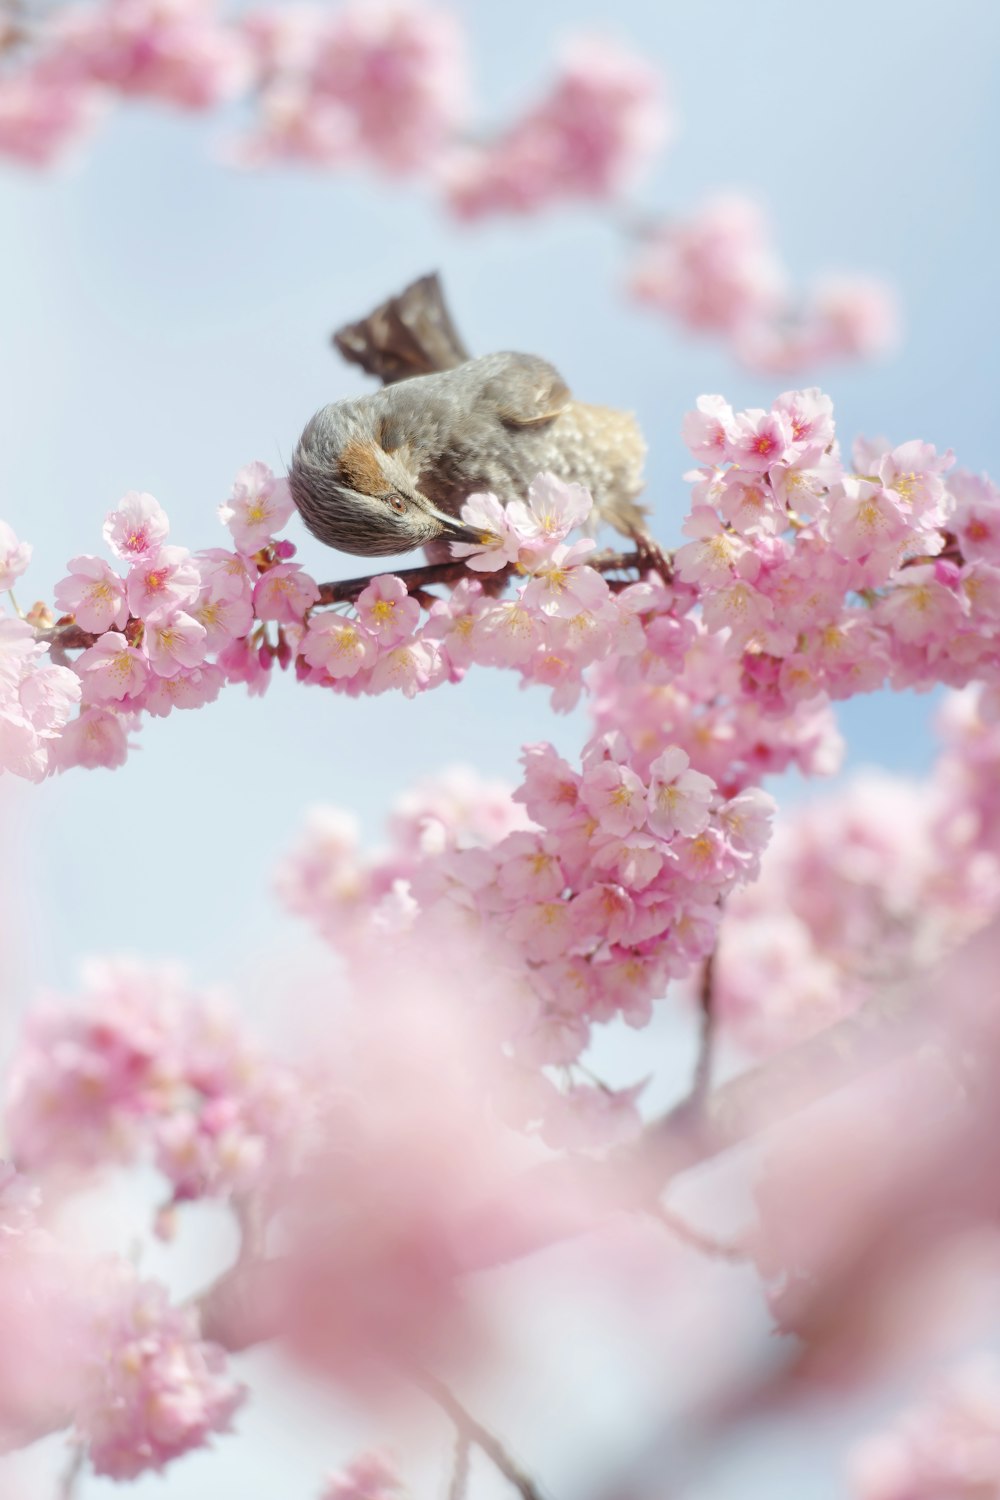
{"x":68,"y":1481}
{"x":706,"y":1244}
{"x":460,"y":1469}
{"x":67,"y":635}
{"x":702,"y":1080}
{"x":474,"y":1432}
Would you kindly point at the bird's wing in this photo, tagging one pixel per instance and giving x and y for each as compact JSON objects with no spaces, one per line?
{"x":411,"y":334}
{"x":528,"y":391}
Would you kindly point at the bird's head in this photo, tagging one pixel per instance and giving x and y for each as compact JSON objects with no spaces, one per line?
{"x":358,"y":494}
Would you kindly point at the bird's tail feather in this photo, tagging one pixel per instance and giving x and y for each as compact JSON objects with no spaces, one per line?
{"x":412,"y":334}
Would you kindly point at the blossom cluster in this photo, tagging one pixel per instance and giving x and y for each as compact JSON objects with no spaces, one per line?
{"x":817,"y":578}
{"x":717,"y":271}
{"x":86,"y":1339}
{"x":389,"y":85}
{"x":804,"y":579}
{"x":151,"y":1388}
{"x":561,"y":620}
{"x":874,"y":883}
{"x":166,"y":632}
{"x":144,"y":1068}
{"x":948,"y":1446}
{"x":583,"y":913}
{"x":370,"y":1477}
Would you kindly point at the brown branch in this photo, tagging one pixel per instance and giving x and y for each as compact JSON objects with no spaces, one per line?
{"x":475,"y":1433}
{"x":346,"y":590}
{"x":702,"y":1080}
{"x":458,"y":1488}
{"x":67,"y":635}
{"x":67,"y":1484}
{"x":696,"y":1239}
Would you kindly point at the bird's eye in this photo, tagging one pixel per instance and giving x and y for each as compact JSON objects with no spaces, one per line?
{"x":397,"y":503}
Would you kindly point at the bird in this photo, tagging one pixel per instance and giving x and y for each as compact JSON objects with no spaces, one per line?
{"x":389,"y":471}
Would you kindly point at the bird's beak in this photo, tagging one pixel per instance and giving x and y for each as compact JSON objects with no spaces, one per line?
{"x":455,"y":530}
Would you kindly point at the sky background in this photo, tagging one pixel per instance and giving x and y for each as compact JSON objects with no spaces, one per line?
{"x":164,"y":319}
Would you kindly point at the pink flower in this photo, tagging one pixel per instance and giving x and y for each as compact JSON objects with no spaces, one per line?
{"x":746,"y":820}
{"x":590,"y":137}
{"x":739,"y":608}
{"x":711,"y":558}
{"x":913,"y":472}
{"x":679,"y":800}
{"x":747,"y":503}
{"x":83,"y":1079}
{"x":296,"y":123}
{"x":93,"y":594}
{"x":545,"y":928}
{"x":855,"y":317}
{"x":165,"y":579}
{"x":948,"y":1448}
{"x":551,"y":788}
{"x":920,"y":609}
{"x":635,"y":858}
{"x":153,"y":1388}
{"x":339,"y":646}
{"x":226,"y":575}
{"x":112,"y":669}
{"x":387,"y":611}
{"x":716,"y":271}
{"x":601,"y":914}
{"x":506,"y":634}
{"x":42,"y":117}
{"x":398,"y":73}
{"x":370,"y":1477}
{"x":174,"y":641}
{"x":552,"y":510}
{"x":224,"y":619}
{"x":809,"y":415}
{"x":706,"y":431}
{"x":561,"y":586}
{"x":95,"y":738}
{"x":866,"y":519}
{"x":615,"y":797}
{"x":758,"y":439}
{"x":528,"y":868}
{"x":173,"y":50}
{"x":186,"y":690}
{"x":35,"y":701}
{"x":259,"y":505}
{"x":499,"y":543}
{"x":137,"y":528}
{"x":14,"y":557}
{"x":243,"y":661}
{"x":284,"y":593}
{"x":410,"y":668}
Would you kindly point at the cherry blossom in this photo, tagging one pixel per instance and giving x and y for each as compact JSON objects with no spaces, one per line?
{"x":370,"y":1477}
{"x":589,"y":137}
{"x":112,"y":669}
{"x":94,"y":594}
{"x":14,"y":557}
{"x":258,"y":506}
{"x":152,"y":1388}
{"x":950,"y":1445}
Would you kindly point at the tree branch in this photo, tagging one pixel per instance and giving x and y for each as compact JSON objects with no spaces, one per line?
{"x":696,"y":1239}
{"x":474,"y":1432}
{"x":458,"y":1487}
{"x":67,"y":1484}
{"x":702,"y":1080}
{"x":67,"y":635}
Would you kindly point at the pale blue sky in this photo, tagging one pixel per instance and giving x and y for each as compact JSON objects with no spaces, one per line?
{"x":163,"y":320}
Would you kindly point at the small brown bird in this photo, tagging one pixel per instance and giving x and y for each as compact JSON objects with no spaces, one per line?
{"x":390,"y":471}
